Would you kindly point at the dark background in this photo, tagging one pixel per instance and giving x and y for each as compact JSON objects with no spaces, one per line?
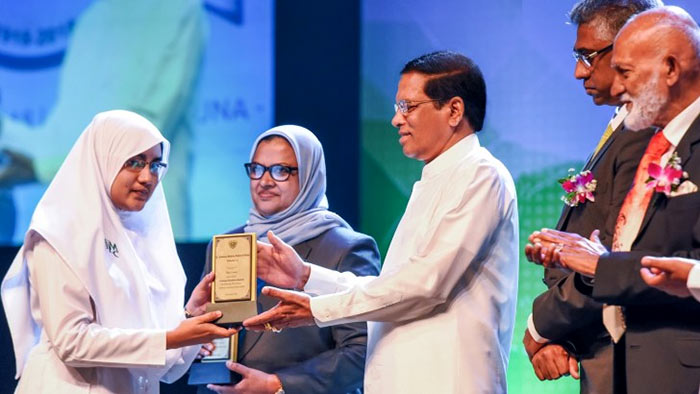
{"x":317,"y":86}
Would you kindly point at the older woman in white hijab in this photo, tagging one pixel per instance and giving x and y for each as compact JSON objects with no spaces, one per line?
{"x":94,"y":298}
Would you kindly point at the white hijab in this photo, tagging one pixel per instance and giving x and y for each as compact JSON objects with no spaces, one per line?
{"x":141,"y":288}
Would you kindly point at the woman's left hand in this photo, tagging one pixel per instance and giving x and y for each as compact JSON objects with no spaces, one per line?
{"x":201,"y":295}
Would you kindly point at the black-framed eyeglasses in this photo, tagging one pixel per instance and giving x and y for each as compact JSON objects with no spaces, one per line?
{"x":155,"y":167}
{"x":278,"y":172}
{"x":587,"y":58}
{"x":406,"y":106}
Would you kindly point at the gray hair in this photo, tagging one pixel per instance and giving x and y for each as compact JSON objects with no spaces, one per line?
{"x":610,"y":14}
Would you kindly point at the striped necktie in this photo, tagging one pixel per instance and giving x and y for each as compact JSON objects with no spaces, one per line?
{"x":604,"y":138}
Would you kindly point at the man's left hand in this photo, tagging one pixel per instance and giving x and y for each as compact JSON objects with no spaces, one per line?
{"x":254,"y":381}
{"x":573,"y":251}
{"x":293,"y":310}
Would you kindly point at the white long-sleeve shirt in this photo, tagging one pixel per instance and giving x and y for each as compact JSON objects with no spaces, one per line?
{"x":75,"y":353}
{"x":693,"y":282}
{"x":441,"y":311}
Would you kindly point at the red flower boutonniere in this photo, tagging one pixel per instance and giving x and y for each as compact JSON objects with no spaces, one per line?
{"x":578,"y":187}
{"x":666,"y":179}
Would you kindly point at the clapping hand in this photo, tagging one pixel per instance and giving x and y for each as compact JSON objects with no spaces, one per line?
{"x":569,"y":250}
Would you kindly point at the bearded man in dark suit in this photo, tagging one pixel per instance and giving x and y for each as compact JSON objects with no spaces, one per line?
{"x":565,"y":327}
{"x":657,"y":61}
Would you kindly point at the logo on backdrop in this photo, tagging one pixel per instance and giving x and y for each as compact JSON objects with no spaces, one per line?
{"x":33,"y":47}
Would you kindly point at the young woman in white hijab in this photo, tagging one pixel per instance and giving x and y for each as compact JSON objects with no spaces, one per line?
{"x":94,"y":298}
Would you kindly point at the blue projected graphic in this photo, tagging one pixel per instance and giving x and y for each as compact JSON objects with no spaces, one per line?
{"x":200,"y":71}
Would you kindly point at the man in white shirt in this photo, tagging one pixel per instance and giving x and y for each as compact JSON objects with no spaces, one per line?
{"x":657,"y":60}
{"x":441,"y":311}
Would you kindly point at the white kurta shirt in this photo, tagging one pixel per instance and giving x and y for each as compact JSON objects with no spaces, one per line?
{"x":75,"y":353}
{"x":441,"y":312}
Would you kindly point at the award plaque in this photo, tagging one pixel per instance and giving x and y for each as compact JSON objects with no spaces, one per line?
{"x":234,"y":289}
{"x":212,"y":369}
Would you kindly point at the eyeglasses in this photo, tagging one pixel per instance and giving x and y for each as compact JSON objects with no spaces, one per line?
{"x":154,"y":167}
{"x":587,"y":58}
{"x":278,"y":172}
{"x":406,"y":106}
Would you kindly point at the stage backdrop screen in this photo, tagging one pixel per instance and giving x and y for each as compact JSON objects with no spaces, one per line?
{"x":539,"y":121}
{"x":201,"y":71}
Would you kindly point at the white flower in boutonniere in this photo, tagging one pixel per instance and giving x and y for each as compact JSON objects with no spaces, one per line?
{"x":579,"y":187}
{"x":666,"y":179}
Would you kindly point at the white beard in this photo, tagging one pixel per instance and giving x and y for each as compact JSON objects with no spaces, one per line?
{"x":646,"y":107}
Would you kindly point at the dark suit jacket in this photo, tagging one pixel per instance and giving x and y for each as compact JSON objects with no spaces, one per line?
{"x":562,"y":313}
{"x":662,"y":345}
{"x":313,"y":359}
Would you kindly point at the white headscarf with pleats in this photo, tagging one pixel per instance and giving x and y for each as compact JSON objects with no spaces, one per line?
{"x":142,"y":285}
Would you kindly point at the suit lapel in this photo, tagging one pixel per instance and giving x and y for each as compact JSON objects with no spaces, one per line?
{"x":252,"y":338}
{"x":596,"y":158}
{"x":564,"y":216}
{"x":691,"y":137}
{"x":590,"y":164}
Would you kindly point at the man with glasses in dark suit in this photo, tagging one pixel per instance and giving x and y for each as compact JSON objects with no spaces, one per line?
{"x":566,"y":327}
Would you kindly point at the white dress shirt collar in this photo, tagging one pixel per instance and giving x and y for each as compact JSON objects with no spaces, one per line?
{"x":678,"y":126}
{"x":455,"y":153}
{"x":620,"y":115}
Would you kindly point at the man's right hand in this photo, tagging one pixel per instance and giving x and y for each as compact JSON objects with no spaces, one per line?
{"x":668,"y":274}
{"x":553,"y":361}
{"x":196,"y":330}
{"x":279,"y":264}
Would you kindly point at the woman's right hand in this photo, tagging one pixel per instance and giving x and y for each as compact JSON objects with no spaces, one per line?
{"x":197,"y":330}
